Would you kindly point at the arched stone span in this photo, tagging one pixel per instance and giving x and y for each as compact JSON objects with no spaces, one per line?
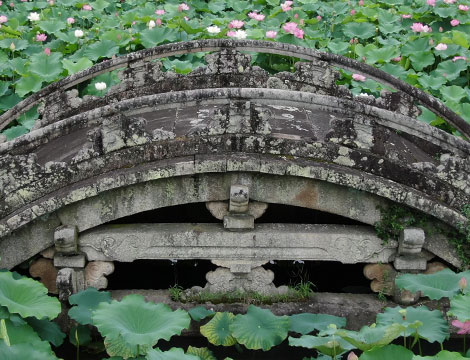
{"x":168,"y":126}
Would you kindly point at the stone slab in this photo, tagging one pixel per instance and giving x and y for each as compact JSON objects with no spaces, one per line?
{"x":346,"y":244}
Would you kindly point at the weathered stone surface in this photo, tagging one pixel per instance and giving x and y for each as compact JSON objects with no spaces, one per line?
{"x":219,"y":209}
{"x":410,"y":245}
{"x":69,"y":261}
{"x":347,"y":244}
{"x":66,"y":240}
{"x":258,"y":280}
{"x":44,"y":270}
{"x":69,"y":282}
{"x":96,"y":272}
{"x":382,"y":276}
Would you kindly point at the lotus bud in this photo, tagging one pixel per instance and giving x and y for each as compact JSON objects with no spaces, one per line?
{"x":462,"y":283}
{"x":12,"y":47}
{"x":352,"y":356}
{"x":403,"y":313}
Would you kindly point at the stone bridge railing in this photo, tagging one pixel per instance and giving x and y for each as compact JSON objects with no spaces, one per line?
{"x":159,"y":139}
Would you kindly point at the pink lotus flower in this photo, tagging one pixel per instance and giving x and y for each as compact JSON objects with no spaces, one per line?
{"x":299,"y":33}
{"x":160,"y":12}
{"x":462,"y":283}
{"x":47,"y":51}
{"x":70,"y":20}
{"x":286,"y":6}
{"x":183,"y":7}
{"x":397,"y":59}
{"x":361,"y":2}
{"x":41,"y":37}
{"x":418,"y":27}
{"x":406,"y":16}
{"x":158,"y":22}
{"x":353,"y":12}
{"x":290,"y":27}
{"x":87,"y":7}
{"x":464,"y":7}
{"x":441,"y":29}
{"x":3,"y":19}
{"x":459,"y":58}
{"x":464,"y":327}
{"x":359,"y":77}
{"x":271,"y":34}
{"x":236,"y":24}
{"x":454,"y":22}
{"x":231,"y":33}
{"x":431,"y":2}
{"x":256,"y":16}
{"x":450,"y":1}
{"x":319,"y":17}
{"x":441,"y":47}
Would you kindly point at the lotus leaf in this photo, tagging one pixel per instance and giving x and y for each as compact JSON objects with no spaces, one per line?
{"x":460,"y":307}
{"x":47,"y":67}
{"x":306,"y":323}
{"x":47,"y":330}
{"x":172,"y":354}
{"x":443,"y":355}
{"x":40,"y":351}
{"x":139,"y":322}
{"x":259,"y":328}
{"x":444,"y":283}
{"x":434,"y":327}
{"x":27,"y":297}
{"x":200,"y":312}
{"x":118,"y":346}
{"x":370,"y":337}
{"x":389,"y":352}
{"x":203,"y":353}
{"x":217,"y":331}
{"x":87,"y":301}
{"x":359,"y":30}
{"x":328,"y":345}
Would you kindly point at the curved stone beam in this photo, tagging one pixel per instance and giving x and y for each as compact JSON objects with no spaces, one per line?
{"x":246,"y":45}
{"x":308,"y":135}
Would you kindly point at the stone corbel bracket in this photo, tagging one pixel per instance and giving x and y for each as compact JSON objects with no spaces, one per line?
{"x":410,"y":245}
{"x":238,"y":217}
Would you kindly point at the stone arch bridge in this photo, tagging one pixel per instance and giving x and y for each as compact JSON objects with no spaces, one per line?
{"x":237,"y":138}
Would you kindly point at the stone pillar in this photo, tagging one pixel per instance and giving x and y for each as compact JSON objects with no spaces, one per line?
{"x":69,"y":261}
{"x":238,"y":217}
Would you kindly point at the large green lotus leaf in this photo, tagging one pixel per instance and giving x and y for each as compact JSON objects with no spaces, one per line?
{"x":370,"y":337}
{"x":52,"y":26}
{"x":418,"y":45}
{"x":27,"y":297}
{"x":217,"y":331}
{"x":259,"y":328}
{"x":101,"y":49}
{"x":453,"y":93}
{"x":444,"y":283}
{"x":47,"y":330}
{"x":73,"y":67}
{"x":19,"y":44}
{"x":15,"y":131}
{"x":200,"y":312}
{"x":118,"y":346}
{"x":389,"y":352}
{"x":40,"y":351}
{"x":47,"y":67}
{"x":203,"y":353}
{"x":359,"y":30}
{"x":156,"y":36}
{"x":421,"y":59}
{"x":87,"y":301}
{"x":172,"y":354}
{"x":328,"y":345}
{"x":432,"y":82}
{"x":460,"y":307}
{"x":4,"y":314}
{"x":450,"y":70}
{"x":434,"y":327}
{"x":138,"y":321}
{"x":381,"y":55}
{"x":18,"y":334}
{"x":27,"y":84}
{"x":442,"y":355}
{"x":306,"y":323}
